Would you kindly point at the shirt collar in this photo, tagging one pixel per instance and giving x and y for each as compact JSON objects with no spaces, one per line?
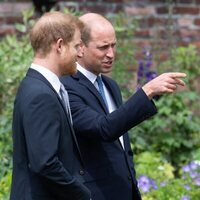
{"x":49,"y":75}
{"x":92,"y":77}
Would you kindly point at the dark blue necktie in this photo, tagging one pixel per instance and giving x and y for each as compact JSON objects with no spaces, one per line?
{"x":101,"y":90}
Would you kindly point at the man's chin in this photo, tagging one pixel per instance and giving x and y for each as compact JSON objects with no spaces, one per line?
{"x":107,"y":71}
{"x":73,"y":71}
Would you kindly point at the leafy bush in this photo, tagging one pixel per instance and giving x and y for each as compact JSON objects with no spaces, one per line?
{"x":175,"y":129}
{"x":157,"y":181}
{"x":124,"y":66}
{"x":153,"y":164}
{"x":5,"y":186}
{"x":176,"y":189}
{"x":15,"y":55}
{"x":187,"y":59}
{"x":174,"y":132}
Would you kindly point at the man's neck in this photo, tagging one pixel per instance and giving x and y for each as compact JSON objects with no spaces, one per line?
{"x":47,"y":63}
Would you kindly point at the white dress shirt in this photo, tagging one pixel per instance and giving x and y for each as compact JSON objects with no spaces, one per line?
{"x":49,"y":75}
{"x":92,"y":78}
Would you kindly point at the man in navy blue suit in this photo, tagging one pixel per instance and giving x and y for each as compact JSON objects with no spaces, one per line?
{"x":101,"y":120}
{"x":47,"y":164}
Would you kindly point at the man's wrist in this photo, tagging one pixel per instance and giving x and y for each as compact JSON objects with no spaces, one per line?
{"x":148,"y":92}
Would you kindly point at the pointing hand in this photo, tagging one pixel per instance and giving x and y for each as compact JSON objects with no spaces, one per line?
{"x":165,"y":83}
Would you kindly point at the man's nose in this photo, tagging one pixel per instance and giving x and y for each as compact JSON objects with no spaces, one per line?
{"x":110,"y":53}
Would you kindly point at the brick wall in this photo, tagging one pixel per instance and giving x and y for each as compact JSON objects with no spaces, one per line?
{"x":159,"y":25}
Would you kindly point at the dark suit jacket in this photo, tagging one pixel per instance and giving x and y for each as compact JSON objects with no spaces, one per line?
{"x":46,"y":157}
{"x":110,"y":172}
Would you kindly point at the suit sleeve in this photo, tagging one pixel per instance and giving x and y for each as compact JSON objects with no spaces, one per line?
{"x":95,"y":124}
{"x":42,"y":126}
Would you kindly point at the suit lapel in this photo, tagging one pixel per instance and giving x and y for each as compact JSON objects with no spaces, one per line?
{"x":116,"y":96}
{"x":112,"y":90}
{"x":84,"y":81}
{"x":37,"y":75}
{"x":33,"y":73}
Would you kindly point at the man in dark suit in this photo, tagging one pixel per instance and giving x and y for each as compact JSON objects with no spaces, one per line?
{"x":47,"y":164}
{"x":100,"y":119}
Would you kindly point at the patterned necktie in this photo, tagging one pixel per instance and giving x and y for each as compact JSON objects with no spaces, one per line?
{"x":65,"y":100}
{"x":101,"y":90}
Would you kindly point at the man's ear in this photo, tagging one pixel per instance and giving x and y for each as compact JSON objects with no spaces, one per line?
{"x":80,"y":51}
{"x":59,"y":45}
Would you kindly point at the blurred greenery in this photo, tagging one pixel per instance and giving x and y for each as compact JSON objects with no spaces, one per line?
{"x":125,"y":65}
{"x":15,"y":57}
{"x":176,"y":127}
{"x":159,"y":182}
{"x":173,"y":131}
{"x":158,"y":167}
{"x":173,"y":135}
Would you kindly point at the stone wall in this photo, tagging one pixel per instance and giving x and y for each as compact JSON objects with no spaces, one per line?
{"x":160,"y":24}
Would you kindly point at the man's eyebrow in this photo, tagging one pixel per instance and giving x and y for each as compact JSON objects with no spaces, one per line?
{"x":107,"y":44}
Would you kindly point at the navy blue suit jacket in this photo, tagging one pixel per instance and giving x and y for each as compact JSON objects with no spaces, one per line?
{"x":110,"y":171}
{"x":46,"y":157}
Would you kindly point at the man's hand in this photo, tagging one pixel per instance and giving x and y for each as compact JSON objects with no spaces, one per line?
{"x":165,"y":83}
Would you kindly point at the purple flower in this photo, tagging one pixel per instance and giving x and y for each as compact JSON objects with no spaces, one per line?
{"x":187,"y":187}
{"x":150,"y":75}
{"x":163,"y":184}
{"x":186,"y":168}
{"x":197,"y":181}
{"x":153,"y":184}
{"x":144,"y":183}
{"x":145,"y":74}
{"x":185,"y":197}
{"x":141,"y":67}
{"x":147,"y":54}
{"x":194,"y":165}
{"x":193,"y":174}
{"x":148,"y":64}
{"x":197,"y":162}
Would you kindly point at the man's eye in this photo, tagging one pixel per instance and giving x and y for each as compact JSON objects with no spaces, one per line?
{"x":107,"y":47}
{"x":103,"y":47}
{"x":77,"y":46}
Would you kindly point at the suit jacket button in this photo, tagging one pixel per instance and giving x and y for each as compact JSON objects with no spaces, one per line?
{"x":129,"y":177}
{"x":81,"y":172}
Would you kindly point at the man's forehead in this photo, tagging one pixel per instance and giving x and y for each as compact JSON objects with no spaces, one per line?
{"x":103,"y":37}
{"x":103,"y":41}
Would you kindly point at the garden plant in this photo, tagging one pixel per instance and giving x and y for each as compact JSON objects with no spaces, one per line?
{"x":166,"y":147}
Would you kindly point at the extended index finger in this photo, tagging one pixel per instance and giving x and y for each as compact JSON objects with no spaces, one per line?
{"x":177,"y":74}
